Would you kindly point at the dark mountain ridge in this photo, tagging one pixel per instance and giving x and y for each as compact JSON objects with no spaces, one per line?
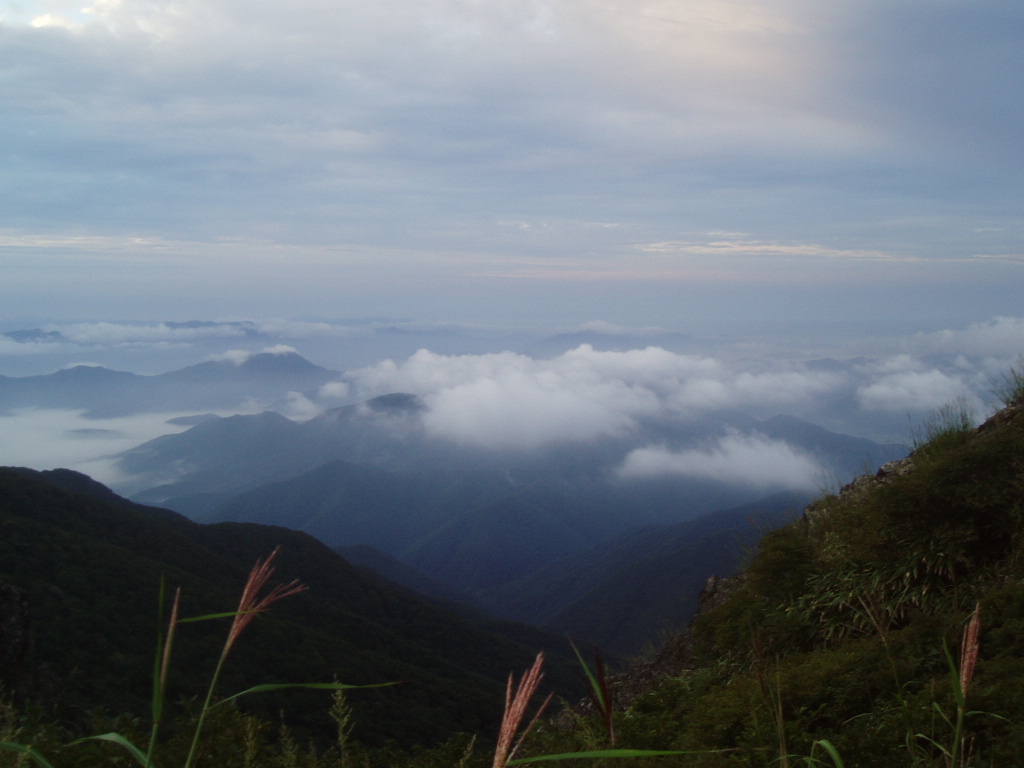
{"x":645,"y":582}
{"x":91,"y":567}
{"x":102,"y":392}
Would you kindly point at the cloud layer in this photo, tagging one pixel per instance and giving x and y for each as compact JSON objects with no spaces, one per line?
{"x":437,"y":154}
{"x":742,"y":459}
{"x":514,"y":400}
{"x":522,"y":402}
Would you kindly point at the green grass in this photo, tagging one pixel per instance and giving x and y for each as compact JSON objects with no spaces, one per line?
{"x":1009,"y":388}
{"x":254,"y":601}
{"x":949,"y":424}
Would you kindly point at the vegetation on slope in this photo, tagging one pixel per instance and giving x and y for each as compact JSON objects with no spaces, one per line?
{"x":91,"y":569}
{"x":847,"y":627}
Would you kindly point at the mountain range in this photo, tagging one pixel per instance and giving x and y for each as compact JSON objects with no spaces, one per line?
{"x":262,"y":378}
{"x":494,"y":525}
{"x":488,"y":526}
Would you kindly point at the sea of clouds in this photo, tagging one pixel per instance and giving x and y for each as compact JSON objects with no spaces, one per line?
{"x":516,"y":401}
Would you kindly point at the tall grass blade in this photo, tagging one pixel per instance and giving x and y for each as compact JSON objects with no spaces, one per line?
{"x":616,"y":753}
{"x":212,"y":616}
{"x":829,"y":747}
{"x":316,"y":686}
{"x":249,"y":606}
{"x":969,"y":650}
{"x":598,"y":690}
{"x":157,"y":703}
{"x":28,"y":751}
{"x":140,"y":757}
{"x":161,"y":666}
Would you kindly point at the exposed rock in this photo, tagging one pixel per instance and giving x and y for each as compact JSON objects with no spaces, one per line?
{"x":1003,"y":416}
{"x":859,"y":486}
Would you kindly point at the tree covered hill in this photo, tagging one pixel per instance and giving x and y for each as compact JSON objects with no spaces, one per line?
{"x":91,"y":564}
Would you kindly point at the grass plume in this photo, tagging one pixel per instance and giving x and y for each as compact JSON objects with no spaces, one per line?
{"x":515,"y":711}
{"x":249,"y":606}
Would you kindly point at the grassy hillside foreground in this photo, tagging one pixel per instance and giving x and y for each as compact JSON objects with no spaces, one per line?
{"x":849,"y":638}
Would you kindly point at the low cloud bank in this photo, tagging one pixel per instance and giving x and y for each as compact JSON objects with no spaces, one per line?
{"x":513,"y":400}
{"x":745,"y":459}
{"x":51,"y":438}
{"x":999,"y":337}
{"x":241,"y":356}
{"x":916,"y":391}
{"x":508,"y":400}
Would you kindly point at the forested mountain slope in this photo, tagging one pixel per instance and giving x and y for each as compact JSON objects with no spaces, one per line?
{"x":90,"y":565}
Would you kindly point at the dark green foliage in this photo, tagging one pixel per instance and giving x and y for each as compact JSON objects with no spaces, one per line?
{"x":92,"y":569}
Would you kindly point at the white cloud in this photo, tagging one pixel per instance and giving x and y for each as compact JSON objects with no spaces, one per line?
{"x":748,"y":459}
{"x":237,"y":356}
{"x":298,"y":407}
{"x":749,"y":248}
{"x":915,"y":392}
{"x":523,"y":410}
{"x":52,"y":20}
{"x":509,"y":399}
{"x":612,"y":329}
{"x":47,"y":439}
{"x":754,"y":390}
{"x":999,"y":337}
{"x":279,"y":349}
{"x":335,"y":390}
{"x":241,"y":356}
{"x":9,"y":346}
{"x":298,"y":329}
{"x":126,"y":333}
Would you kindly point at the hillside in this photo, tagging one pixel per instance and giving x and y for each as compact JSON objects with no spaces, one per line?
{"x":90,"y":565}
{"x":849,"y":626}
{"x":622,"y":594}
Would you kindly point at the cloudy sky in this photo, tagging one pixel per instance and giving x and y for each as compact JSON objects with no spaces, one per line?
{"x":671,"y":163}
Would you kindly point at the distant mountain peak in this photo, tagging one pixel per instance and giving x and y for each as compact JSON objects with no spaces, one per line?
{"x":290,"y":361}
{"x":34,"y":335}
{"x":396,"y":401}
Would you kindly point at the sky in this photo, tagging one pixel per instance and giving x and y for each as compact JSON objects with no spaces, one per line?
{"x":733,"y":189}
{"x":728,"y":165}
